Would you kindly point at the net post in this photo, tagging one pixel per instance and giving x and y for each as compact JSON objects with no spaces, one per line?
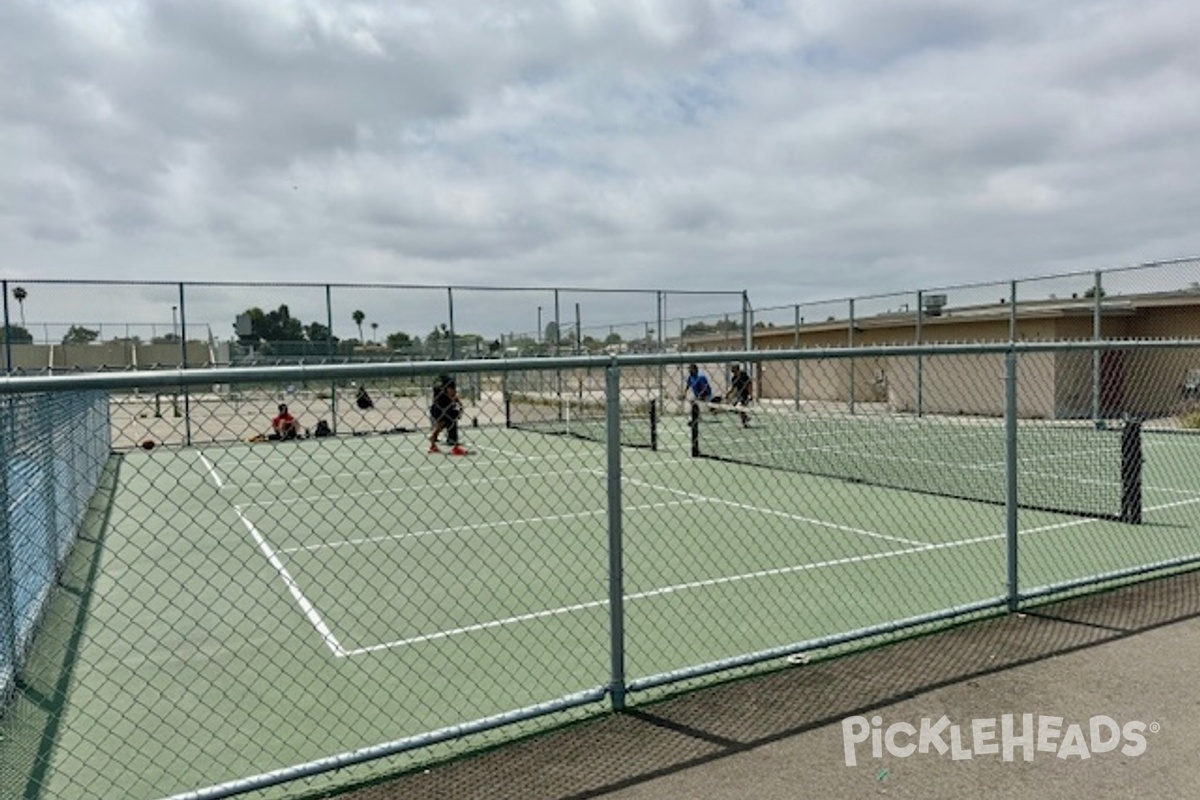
{"x":508,"y":410}
{"x":694,"y":426}
{"x":1131,"y":472}
{"x":653,"y":424}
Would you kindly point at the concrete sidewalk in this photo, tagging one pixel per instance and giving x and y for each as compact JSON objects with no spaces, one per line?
{"x":1130,"y":655}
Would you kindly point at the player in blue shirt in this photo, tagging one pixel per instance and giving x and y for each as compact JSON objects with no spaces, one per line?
{"x":698,"y":384}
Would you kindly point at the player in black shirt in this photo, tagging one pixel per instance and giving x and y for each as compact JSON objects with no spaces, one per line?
{"x":741,"y":390}
{"x":445,"y":411}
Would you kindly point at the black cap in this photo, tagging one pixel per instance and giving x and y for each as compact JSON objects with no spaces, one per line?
{"x":283,"y":406}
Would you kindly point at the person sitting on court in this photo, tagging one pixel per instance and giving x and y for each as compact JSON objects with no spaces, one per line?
{"x":284,"y":425}
{"x":445,"y":411}
{"x":363,"y":400}
{"x":741,"y":390}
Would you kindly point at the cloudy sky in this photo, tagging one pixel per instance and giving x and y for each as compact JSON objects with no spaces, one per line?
{"x":797,"y":149}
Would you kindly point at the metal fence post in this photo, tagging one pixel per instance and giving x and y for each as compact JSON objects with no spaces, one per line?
{"x":330,"y":352}
{"x":1010,"y":474}
{"x":747,"y":322}
{"x":616,"y":575}
{"x":450,"y":311}
{"x":578,"y":330}
{"x":662,"y":346}
{"x":46,"y":458}
{"x":8,"y":614}
{"x":795,"y":346}
{"x":7,"y":332}
{"x":850,"y":343}
{"x":920,"y":339}
{"x":1012,"y":312}
{"x":187,"y":405}
{"x":1097,"y":291}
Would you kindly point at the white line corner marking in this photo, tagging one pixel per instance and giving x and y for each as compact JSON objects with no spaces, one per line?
{"x":306,"y":605}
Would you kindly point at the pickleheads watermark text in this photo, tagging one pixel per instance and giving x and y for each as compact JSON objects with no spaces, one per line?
{"x":1004,"y":737}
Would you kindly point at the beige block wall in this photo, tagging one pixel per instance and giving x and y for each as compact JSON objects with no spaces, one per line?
{"x":974,"y":385}
{"x":109,"y":355}
{"x":1153,"y":385}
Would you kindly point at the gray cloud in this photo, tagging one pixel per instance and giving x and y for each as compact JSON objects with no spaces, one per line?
{"x":782,"y":147}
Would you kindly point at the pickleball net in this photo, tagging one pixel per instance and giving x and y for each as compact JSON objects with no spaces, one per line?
{"x":1072,"y":468}
{"x":581,"y":418}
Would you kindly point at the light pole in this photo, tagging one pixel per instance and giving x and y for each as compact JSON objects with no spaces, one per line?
{"x":539,"y":327}
{"x":174,"y":329}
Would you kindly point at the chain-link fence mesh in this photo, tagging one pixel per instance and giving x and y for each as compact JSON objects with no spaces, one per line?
{"x":195,"y":608}
{"x":56,"y":326}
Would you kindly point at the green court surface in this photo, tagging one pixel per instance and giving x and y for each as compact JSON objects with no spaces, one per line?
{"x":254,"y":607}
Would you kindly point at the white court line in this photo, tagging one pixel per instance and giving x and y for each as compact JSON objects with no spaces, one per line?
{"x":774,"y":512}
{"x":526,"y":457}
{"x":212,"y":471}
{"x":479,"y":626}
{"x":415,"y":487}
{"x":1189,"y":502}
{"x":306,"y":605}
{"x":477,"y":526}
{"x":702,"y":584}
{"x":329,"y":476}
{"x":665,"y":590}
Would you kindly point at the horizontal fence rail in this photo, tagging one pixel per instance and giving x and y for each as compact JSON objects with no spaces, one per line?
{"x":290,"y":579}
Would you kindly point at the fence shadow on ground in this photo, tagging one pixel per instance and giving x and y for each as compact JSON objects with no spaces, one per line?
{"x":596,"y":757}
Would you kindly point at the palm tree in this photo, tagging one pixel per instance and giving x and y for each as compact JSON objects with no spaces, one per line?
{"x":358,"y":318}
{"x":19,"y":294}
{"x":374,"y":328}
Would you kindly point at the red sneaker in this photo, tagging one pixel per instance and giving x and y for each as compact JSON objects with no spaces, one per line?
{"x":433,"y":448}
{"x":459,"y":450}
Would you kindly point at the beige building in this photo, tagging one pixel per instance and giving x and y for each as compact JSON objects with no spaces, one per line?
{"x":1063,"y":385}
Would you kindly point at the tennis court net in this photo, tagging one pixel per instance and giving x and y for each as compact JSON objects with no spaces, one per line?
{"x":1073,"y":468}
{"x":582,"y":418}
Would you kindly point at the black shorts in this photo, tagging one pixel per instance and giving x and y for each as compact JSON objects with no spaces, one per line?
{"x":443,"y":413}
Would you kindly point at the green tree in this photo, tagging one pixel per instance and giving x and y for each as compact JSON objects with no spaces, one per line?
{"x":19,"y":294}
{"x":18,"y":333}
{"x":77,"y":334}
{"x":358,"y":317}
{"x":316,"y":332}
{"x":275,"y":326}
{"x":400,"y":341}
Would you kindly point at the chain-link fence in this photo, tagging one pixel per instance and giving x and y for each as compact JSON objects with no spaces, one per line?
{"x":196,"y":608}
{"x":56,"y":326}
{"x":1149,"y":301}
